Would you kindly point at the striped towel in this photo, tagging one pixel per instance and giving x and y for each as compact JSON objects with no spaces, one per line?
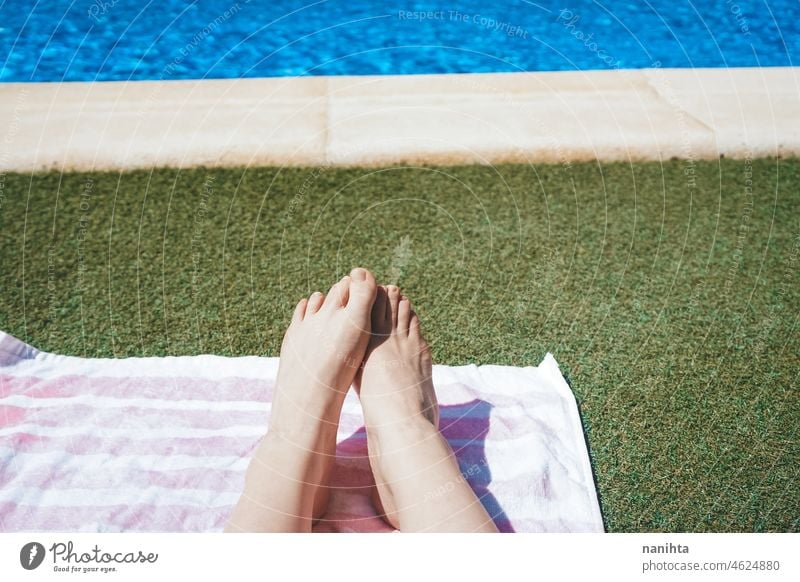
{"x":162,"y":444}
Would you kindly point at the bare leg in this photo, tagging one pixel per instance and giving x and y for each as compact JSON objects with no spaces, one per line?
{"x":418,"y":482}
{"x":285,"y":485}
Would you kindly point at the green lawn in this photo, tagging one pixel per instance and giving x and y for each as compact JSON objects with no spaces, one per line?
{"x":668,"y":294}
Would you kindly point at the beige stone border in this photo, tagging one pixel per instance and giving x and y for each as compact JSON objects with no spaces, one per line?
{"x":645,"y":114}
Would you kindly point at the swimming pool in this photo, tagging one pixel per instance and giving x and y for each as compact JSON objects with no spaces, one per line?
{"x":85,"y":40}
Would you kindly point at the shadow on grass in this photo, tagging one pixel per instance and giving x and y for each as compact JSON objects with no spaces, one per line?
{"x":588,"y":448}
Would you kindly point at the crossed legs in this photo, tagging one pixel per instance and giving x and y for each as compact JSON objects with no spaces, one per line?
{"x":368,"y":336}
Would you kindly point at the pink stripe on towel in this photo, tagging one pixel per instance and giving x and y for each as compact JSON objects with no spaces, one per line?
{"x":25,"y":442}
{"x":167,"y":388}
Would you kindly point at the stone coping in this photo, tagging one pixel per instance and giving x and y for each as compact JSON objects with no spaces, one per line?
{"x":550,"y":117}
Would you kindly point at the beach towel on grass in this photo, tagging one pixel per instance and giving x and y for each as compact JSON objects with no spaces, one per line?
{"x":162,"y":444}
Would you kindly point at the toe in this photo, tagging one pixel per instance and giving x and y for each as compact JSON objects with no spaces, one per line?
{"x":394,"y":303}
{"x":413,"y":326}
{"x":339,"y":294}
{"x":403,"y":315}
{"x":300,"y":310}
{"x":362,"y":290}
{"x":379,"y":321}
{"x":314,"y":302}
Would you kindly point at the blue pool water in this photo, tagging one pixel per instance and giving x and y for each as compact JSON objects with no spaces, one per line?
{"x":84,"y":40}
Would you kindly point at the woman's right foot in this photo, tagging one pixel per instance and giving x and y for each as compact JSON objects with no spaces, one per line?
{"x":395,"y":385}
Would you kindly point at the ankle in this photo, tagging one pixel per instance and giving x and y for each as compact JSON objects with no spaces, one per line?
{"x":300,"y":437}
{"x":385,"y":413}
{"x":387,"y":435}
{"x":304,"y":423}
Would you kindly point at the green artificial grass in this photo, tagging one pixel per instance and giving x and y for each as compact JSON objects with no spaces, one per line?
{"x":668,"y":293}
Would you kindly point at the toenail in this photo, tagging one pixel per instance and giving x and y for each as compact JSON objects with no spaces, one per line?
{"x":359,"y":274}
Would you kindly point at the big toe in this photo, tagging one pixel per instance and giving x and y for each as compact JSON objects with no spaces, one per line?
{"x":362,"y":290}
{"x":393,"y":303}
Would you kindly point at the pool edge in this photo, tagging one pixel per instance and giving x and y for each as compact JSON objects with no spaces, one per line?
{"x":485,"y":118}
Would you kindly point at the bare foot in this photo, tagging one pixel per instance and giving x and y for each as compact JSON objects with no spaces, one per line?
{"x":322,"y":350}
{"x":395,"y":384}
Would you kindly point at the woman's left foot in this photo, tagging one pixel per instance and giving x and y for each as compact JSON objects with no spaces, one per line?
{"x":322,"y":350}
